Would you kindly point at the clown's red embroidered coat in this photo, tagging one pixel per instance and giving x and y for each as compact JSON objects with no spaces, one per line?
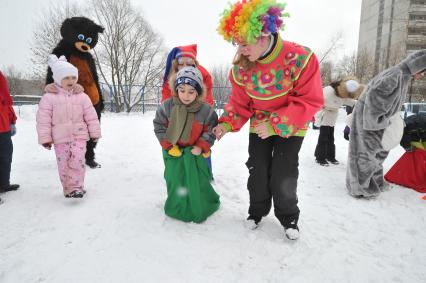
{"x":283,"y":90}
{"x":7,"y":114}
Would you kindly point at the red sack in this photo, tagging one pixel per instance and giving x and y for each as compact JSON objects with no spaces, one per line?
{"x":409,"y":171}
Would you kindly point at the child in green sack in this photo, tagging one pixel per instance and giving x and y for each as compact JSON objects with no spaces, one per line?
{"x":183,"y":125}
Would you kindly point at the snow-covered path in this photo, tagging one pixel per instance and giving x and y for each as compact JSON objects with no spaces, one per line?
{"x":119,"y":233}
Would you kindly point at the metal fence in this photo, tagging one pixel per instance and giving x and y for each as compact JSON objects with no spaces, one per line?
{"x":149,"y":98}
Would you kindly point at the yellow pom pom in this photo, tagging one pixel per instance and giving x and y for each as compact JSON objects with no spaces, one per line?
{"x":175,"y":151}
{"x":206,"y":154}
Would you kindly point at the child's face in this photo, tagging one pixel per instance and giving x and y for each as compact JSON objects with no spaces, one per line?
{"x":68,"y":82}
{"x":186,"y":93}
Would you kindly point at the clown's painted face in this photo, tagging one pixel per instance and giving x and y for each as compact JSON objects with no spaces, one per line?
{"x":255,"y":50}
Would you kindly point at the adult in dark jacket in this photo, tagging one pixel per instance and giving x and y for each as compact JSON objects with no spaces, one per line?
{"x":7,"y":130}
{"x":79,"y":36}
{"x":379,"y":104}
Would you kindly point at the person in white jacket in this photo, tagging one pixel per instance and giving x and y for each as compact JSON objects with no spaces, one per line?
{"x":337,"y":94}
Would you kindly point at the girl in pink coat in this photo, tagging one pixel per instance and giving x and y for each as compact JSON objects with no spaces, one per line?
{"x":67,"y":120}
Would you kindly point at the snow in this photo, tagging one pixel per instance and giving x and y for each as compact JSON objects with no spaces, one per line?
{"x":119,"y":233}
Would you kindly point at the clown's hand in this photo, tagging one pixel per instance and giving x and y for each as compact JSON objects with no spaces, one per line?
{"x":175,"y":151}
{"x":219,"y":131}
{"x":262,"y":131}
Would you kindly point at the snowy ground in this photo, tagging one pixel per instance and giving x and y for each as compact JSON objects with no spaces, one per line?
{"x":119,"y":233}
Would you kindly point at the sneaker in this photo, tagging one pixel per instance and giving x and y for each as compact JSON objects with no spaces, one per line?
{"x":322,"y":162}
{"x":333,"y":161}
{"x":8,"y":188}
{"x":92,"y":163}
{"x":252,"y":222}
{"x":75,"y":194}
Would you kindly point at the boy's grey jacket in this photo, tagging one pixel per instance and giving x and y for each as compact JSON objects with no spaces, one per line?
{"x":206,"y":116}
{"x":382,"y":98}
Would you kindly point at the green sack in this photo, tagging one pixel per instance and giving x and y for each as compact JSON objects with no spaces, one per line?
{"x":190,"y":196}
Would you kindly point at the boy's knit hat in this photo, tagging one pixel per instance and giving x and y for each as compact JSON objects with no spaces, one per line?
{"x":61,"y":68}
{"x":190,"y":76}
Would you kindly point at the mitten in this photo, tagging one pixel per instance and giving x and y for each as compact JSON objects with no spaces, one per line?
{"x":175,"y":151}
{"x":346,"y":132}
{"x":47,"y":145}
{"x":206,"y":154}
{"x":12,"y":129}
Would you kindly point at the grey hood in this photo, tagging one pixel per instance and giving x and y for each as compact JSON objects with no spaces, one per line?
{"x":416,"y":62}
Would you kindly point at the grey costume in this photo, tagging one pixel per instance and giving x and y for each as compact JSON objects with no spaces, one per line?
{"x":381,"y":99}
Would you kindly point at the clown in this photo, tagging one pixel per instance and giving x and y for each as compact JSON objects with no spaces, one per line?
{"x":276,"y":84}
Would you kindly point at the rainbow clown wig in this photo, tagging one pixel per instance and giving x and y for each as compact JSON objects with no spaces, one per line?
{"x":246,"y":20}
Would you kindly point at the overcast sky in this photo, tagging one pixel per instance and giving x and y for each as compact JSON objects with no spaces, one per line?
{"x":312,"y":23}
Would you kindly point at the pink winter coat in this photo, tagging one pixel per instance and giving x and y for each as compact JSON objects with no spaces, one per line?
{"x":65,"y":117}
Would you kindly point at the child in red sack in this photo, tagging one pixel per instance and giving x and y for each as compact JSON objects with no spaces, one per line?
{"x":67,"y":120}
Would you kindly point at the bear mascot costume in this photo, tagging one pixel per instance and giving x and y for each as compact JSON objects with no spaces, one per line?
{"x":79,"y":36}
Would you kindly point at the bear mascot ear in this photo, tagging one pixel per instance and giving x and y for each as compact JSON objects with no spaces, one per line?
{"x":99,"y":29}
{"x":66,"y":28}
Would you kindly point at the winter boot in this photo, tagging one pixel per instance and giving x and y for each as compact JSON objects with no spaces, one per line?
{"x":75,"y":194}
{"x":1,"y":201}
{"x":92,"y":163}
{"x":333,"y":161}
{"x":290,"y":227}
{"x":252,"y":222}
{"x":8,"y":188}
{"x":322,"y":162}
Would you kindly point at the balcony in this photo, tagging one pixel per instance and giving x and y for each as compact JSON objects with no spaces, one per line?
{"x":418,"y":24}
{"x":416,"y":8}
{"x":416,"y":39}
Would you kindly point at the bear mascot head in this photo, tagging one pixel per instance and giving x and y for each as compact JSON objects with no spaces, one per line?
{"x":80,"y":33}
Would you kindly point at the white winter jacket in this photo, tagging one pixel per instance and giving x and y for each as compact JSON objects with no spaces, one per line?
{"x":327,"y":116}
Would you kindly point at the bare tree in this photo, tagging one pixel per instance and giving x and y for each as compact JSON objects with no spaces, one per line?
{"x":130,"y":56}
{"x":47,"y":34}
{"x":222,"y":85}
{"x":326,"y":70}
{"x":14,"y":80}
{"x":364,"y":66}
{"x":335,"y":43}
{"x":346,"y":66}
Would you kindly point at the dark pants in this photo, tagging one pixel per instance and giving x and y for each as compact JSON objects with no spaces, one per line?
{"x":91,"y":145}
{"x":273,"y":167}
{"x":325,"y":147}
{"x":6,"y":150}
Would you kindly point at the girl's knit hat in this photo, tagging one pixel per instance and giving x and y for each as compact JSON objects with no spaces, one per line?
{"x":189,"y":51}
{"x":190,"y":76}
{"x":61,"y":68}
{"x":246,"y":20}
